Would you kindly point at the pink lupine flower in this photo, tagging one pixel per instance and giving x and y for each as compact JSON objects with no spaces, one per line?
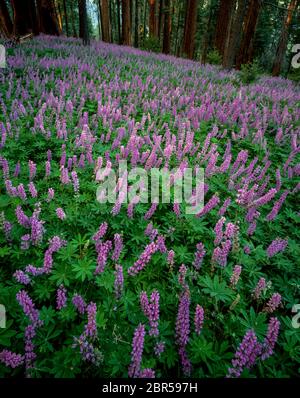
{"x":60,"y":213}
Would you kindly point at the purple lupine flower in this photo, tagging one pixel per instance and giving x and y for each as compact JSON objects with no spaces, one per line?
{"x":224,"y":208}
{"x":220,"y":254}
{"x":183,"y":329}
{"x":91,"y":327}
{"x":61,"y":297}
{"x":211,"y":204}
{"x":271,"y":338}
{"x":118,"y":245}
{"x":143,"y":260}
{"x":75,"y":181}
{"x":21,"y":277}
{"x":199,"y":318}
{"x":170,"y":259}
{"x":265,"y":198}
{"x":32,"y":190}
{"x":30,"y":356}
{"x":261,"y":285}
{"x":119,"y":281}
{"x":147,"y":374}
{"x":22,"y":218}
{"x":160,"y":244}
{"x":159,"y":348}
{"x":79,"y":303}
{"x":37,"y":228}
{"x":10,"y":359}
{"x":176,"y":209}
{"x":247,"y":249}
{"x":7,"y":227}
{"x":199,"y":255}
{"x":231,"y":230}
{"x":21,"y":192}
{"x":219,"y":231}
{"x":25,"y":242}
{"x":151,"y":310}
{"x":246,"y":355}
{"x":32,"y":169}
{"x":235,"y":275}
{"x":182,"y":275}
{"x":137,"y":351}
{"x":87,"y":350}
{"x":17,"y":169}
{"x":151,"y":211}
{"x":273,"y":303}
{"x":50,"y":194}
{"x":28,"y":306}
{"x":101,"y":232}
{"x":277,"y":206}
{"x":60,"y":213}
{"x":48,"y":168}
{"x":102,"y":248}
{"x":278,"y":245}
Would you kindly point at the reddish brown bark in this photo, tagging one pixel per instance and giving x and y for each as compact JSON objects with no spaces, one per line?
{"x":250,"y":22}
{"x":281,"y":48}
{"x":126,"y":23}
{"x":234,"y":35}
{"x":5,"y":20}
{"x":105,"y":21}
{"x":190,"y":29}
{"x":167,"y":28}
{"x":47,"y":17}
{"x":223,"y":25}
{"x":152,"y":18}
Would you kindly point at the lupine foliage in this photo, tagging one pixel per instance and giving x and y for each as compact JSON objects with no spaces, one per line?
{"x":145,"y":290}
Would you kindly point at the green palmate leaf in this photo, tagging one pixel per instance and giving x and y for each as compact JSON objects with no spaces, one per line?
{"x":217,"y":289}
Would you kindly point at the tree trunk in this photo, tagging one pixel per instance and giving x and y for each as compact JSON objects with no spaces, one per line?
{"x":235,"y":34}
{"x":244,"y":55}
{"x":105,"y":21}
{"x":58,"y":15}
{"x":136,"y":25}
{"x":126,"y":25}
{"x":152,"y":18}
{"x":281,"y":48}
{"x":177,"y":42}
{"x":119,"y":21}
{"x":160,"y":19}
{"x":48,"y":20}
{"x":83,"y":22}
{"x":73,"y":20}
{"x":5,"y":20}
{"x":207,"y":37}
{"x":66,"y":17}
{"x":167,"y":28}
{"x":25,"y":20}
{"x":223,"y":25}
{"x":190,"y":29}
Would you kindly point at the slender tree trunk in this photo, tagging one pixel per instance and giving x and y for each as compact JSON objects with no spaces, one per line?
{"x":190,"y":29}
{"x":119,"y":22}
{"x":167,"y":27}
{"x":5,"y":20}
{"x":105,"y":21}
{"x":83,"y":22}
{"x":160,"y":19}
{"x":48,"y":20}
{"x":177,"y":45}
{"x":136,"y":24}
{"x":244,"y":55}
{"x":58,"y":14}
{"x":207,"y":37}
{"x":235,"y":34}
{"x":126,"y":26}
{"x":281,"y":48}
{"x":152,"y":18}
{"x":223,"y":25}
{"x":73,"y":20}
{"x":66,"y":17}
{"x":145,"y":21}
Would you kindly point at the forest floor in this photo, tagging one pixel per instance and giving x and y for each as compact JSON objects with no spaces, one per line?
{"x":116,"y":289}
